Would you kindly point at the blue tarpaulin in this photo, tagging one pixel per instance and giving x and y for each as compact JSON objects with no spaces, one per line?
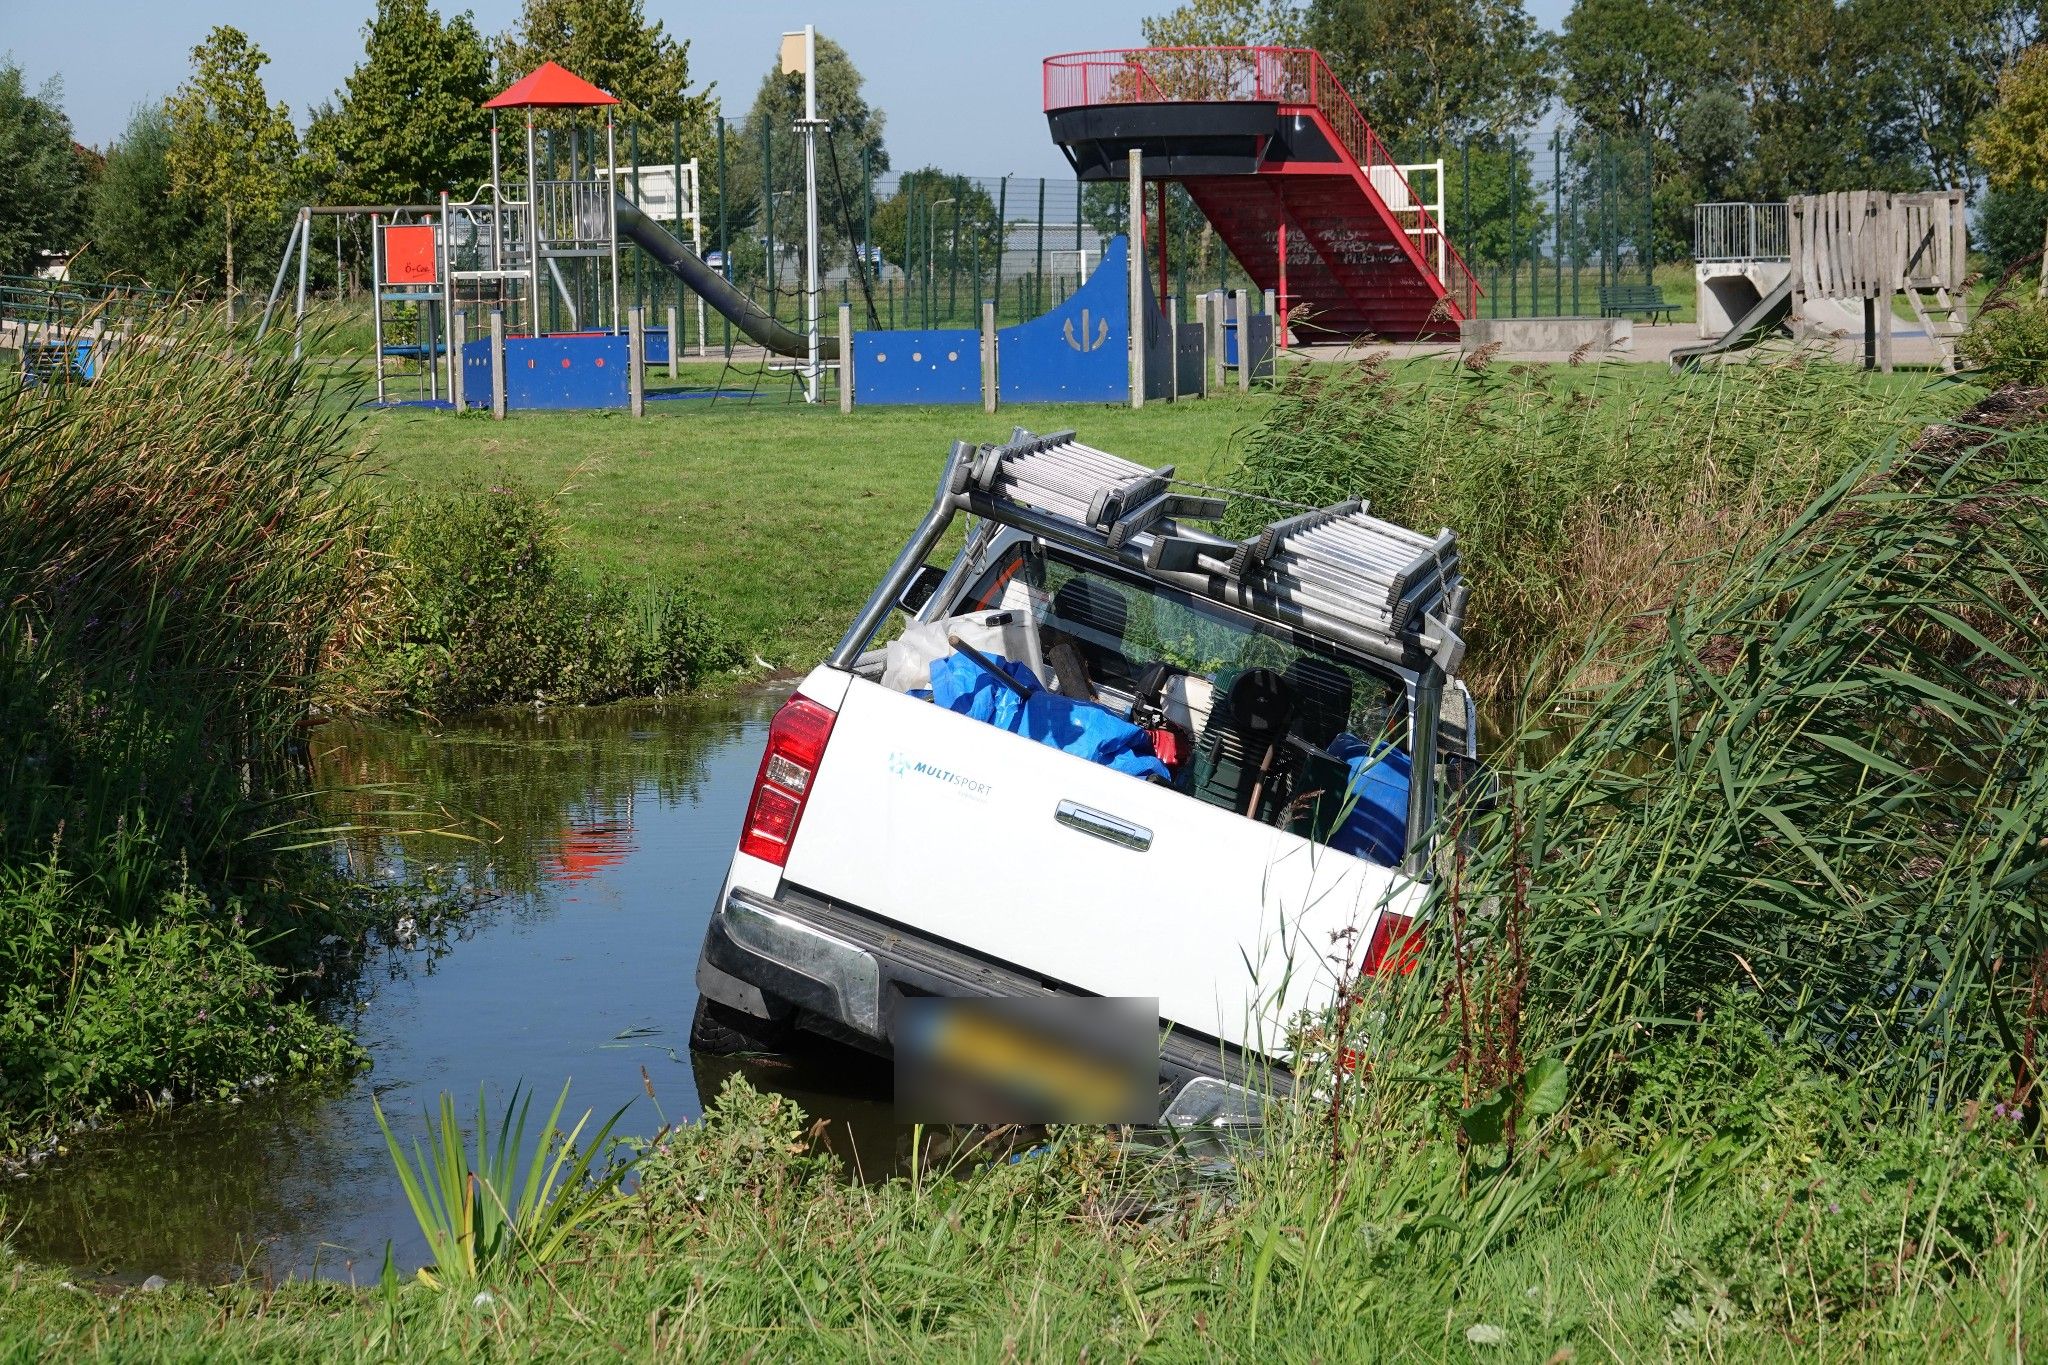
{"x":1376,"y":826}
{"x":1081,"y":728}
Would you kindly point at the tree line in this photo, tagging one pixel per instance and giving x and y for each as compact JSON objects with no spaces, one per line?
{"x":199,"y":188}
{"x":1739,"y":100}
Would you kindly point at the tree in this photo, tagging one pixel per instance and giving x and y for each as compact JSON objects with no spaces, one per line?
{"x":140,"y":228}
{"x":1228,"y":23}
{"x":2012,"y":139}
{"x":42,"y":180}
{"x":855,"y":140}
{"x":611,"y":44}
{"x":1931,"y":69}
{"x":410,"y":121}
{"x":1426,"y":73}
{"x":936,"y":217}
{"x":231,"y":150}
{"x":1627,"y":65}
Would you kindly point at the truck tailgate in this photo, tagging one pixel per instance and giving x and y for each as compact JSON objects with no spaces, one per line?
{"x":1026,"y":855}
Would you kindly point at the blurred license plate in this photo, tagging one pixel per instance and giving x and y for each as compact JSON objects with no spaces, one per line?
{"x":1042,"y":1059}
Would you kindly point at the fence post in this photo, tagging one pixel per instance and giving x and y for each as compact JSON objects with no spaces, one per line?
{"x":498,"y":364}
{"x":1038,"y":269}
{"x":1514,"y":227}
{"x":1213,"y":332}
{"x":458,"y":379}
{"x":988,"y":356}
{"x":636,"y":360}
{"x":953,"y":252}
{"x":1002,"y":237}
{"x":1244,"y":338}
{"x":845,"y":358}
{"x":675,"y":340}
{"x":1649,"y":208}
{"x":1557,"y":221}
{"x":1465,"y":207}
{"x":1135,"y":275}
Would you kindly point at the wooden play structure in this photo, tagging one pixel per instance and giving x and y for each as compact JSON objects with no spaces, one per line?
{"x":1872,"y":245}
{"x":1764,"y":269}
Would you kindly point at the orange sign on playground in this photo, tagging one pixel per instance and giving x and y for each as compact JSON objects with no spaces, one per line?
{"x":409,"y":254}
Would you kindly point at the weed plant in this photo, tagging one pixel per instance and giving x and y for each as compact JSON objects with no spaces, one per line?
{"x":1581,"y":496}
{"x":515,"y":1202}
{"x":2007,"y":341}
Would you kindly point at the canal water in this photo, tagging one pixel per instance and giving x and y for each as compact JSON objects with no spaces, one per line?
{"x":601,"y":837}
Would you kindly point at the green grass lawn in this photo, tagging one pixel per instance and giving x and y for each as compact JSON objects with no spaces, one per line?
{"x":785,"y":515}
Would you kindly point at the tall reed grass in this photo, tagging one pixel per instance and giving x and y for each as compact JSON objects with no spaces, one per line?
{"x":1581,"y":496}
{"x":1822,"y":792}
{"x":179,"y":544}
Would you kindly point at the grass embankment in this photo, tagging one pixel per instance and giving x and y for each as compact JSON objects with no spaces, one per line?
{"x":1580,"y":493}
{"x":782,"y":517}
{"x":1721,"y":1043}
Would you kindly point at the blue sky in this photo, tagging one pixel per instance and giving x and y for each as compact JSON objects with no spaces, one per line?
{"x":958,"y":78}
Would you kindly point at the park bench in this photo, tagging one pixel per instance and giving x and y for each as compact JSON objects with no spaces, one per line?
{"x":1618,"y":300}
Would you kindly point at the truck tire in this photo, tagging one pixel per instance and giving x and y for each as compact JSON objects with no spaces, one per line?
{"x":722,"y":1031}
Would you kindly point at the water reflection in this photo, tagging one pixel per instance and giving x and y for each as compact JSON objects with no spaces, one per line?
{"x":606,"y":834}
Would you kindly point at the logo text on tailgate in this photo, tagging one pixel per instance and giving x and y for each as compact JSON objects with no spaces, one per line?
{"x":903,"y":765}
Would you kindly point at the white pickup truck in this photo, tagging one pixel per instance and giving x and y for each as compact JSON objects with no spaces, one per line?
{"x":1207,"y":776}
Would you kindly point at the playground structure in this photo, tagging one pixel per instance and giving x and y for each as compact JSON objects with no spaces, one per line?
{"x":1763,"y":269}
{"x":1270,"y":147}
{"x":519,"y":254}
{"x":467,"y":288}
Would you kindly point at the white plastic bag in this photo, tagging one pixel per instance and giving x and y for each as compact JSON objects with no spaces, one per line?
{"x":1000,"y":633}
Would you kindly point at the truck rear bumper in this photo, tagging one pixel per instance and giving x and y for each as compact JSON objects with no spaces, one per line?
{"x":846,"y":969}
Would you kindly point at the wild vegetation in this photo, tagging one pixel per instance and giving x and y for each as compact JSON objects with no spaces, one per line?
{"x":1721,"y":1040}
{"x":177,"y":544}
{"x":1582,"y":498}
{"x":193,"y":567}
{"x":476,"y":608}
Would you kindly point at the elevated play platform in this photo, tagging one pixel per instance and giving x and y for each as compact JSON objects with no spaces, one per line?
{"x":1278,"y":158}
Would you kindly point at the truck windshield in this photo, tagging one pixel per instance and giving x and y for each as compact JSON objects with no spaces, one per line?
{"x":1256,"y":719}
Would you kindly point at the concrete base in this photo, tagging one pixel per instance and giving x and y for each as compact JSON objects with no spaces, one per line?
{"x":1521,"y":336}
{"x":1725,"y":290}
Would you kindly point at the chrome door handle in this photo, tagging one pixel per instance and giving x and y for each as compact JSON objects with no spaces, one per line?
{"x":1103,"y":826}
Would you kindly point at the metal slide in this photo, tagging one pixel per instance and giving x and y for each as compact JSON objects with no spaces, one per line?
{"x":1764,"y":317}
{"x":715,"y":289}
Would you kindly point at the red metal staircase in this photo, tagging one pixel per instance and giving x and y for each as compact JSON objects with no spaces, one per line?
{"x":1295,"y":182}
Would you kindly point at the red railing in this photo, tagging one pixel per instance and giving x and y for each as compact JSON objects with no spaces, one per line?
{"x":1283,"y":75}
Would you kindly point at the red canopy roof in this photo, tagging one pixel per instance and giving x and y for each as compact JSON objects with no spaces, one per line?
{"x":551,"y":86}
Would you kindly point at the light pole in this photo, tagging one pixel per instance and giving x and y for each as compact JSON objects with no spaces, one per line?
{"x":805,"y":58}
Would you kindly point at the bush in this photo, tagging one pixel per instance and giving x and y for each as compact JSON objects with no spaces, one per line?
{"x":99,"y":1012}
{"x":179,"y":545}
{"x":1849,"y":1230}
{"x":2010,"y":224}
{"x":481,"y":611}
{"x":2007,"y":342}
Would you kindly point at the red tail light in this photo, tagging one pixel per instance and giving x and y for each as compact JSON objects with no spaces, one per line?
{"x":796,"y":743}
{"x":1396,"y":943}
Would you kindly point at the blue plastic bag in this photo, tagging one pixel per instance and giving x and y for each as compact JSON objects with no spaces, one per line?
{"x":1081,"y":728}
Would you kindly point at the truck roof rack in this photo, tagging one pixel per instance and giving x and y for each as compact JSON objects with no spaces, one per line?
{"x":1388,"y":591}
